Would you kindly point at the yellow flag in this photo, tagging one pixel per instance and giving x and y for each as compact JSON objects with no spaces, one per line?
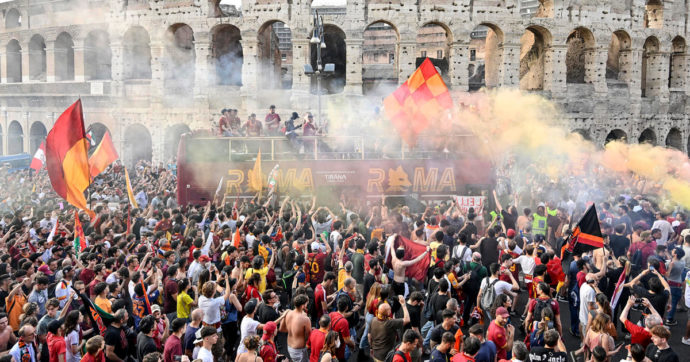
{"x":255,"y":179}
{"x":130,"y":194}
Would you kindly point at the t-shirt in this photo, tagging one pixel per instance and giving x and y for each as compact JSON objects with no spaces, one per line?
{"x":173,"y":348}
{"x":319,"y":296}
{"x":340,"y":325}
{"x":438,"y":331}
{"x":358,"y":267}
{"x":56,"y":346}
{"x":206,"y":355}
{"x":665,"y":228}
{"x":247,"y":328}
{"x":184,"y":305}
{"x":487,"y":352}
{"x":211,"y":308}
{"x":554,"y":307}
{"x":658,"y":300}
{"x":587,"y":295}
{"x":664,"y":355}
{"x":189,"y":337}
{"x":543,"y":354}
{"x":497,"y":334}
{"x":169,"y":303}
{"x":104,"y":304}
{"x":315,"y":343}
{"x":16,"y":304}
{"x":398,"y":358}
{"x":489,"y":250}
{"x":383,"y":335}
{"x":619,"y":244}
{"x":117,"y":338}
{"x":145,"y":345}
{"x":415,"y":312}
{"x":72,"y":339}
{"x":317,"y":265}
{"x":500,"y":287}
{"x":438,"y":356}
{"x":438,"y":302}
{"x":687,"y":289}
{"x":262,"y":273}
{"x":638,"y":335}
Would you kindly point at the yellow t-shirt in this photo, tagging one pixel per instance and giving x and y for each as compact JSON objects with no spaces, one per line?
{"x":184,"y":305}
{"x":262,"y":273}
{"x":341,"y":278}
{"x":104,"y":304}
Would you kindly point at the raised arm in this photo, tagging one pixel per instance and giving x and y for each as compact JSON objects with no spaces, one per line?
{"x":498,"y":204}
{"x":419,"y":257}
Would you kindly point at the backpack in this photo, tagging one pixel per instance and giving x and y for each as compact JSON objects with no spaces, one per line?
{"x":462,"y":255}
{"x":636,"y":259}
{"x":391,"y":354}
{"x":428,"y":310}
{"x":488,"y":294}
{"x":538,"y":307}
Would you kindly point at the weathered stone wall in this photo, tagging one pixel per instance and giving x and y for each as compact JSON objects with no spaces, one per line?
{"x":151,"y":69}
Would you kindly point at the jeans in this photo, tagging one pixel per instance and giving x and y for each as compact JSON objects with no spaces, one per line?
{"x":348,"y":350}
{"x":676,"y":294}
{"x":574,"y":305}
{"x":364,"y":341}
{"x":427,"y":337}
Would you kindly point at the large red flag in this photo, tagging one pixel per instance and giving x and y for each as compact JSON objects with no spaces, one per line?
{"x":67,"y":159}
{"x":412,"y":250}
{"x":418,"y":102}
{"x":39,"y":159}
{"x":103,"y":156}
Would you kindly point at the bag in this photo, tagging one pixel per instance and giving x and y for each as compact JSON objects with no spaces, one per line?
{"x":488,"y":294}
{"x":536,"y":338}
{"x":541,"y":304}
{"x":636,"y":260}
{"x":458,"y":255}
{"x":428,"y":310}
{"x":393,"y":352}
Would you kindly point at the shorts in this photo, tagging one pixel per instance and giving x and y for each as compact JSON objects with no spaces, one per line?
{"x":398,"y":288}
{"x":298,"y":355}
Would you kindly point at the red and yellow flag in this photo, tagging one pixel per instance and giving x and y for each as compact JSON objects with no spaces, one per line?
{"x":130,"y":193}
{"x":103,"y":156}
{"x":67,"y":158}
{"x":79,"y":238}
{"x":417,"y":102}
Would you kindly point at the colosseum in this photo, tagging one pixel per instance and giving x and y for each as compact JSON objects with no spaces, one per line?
{"x":149,"y":70}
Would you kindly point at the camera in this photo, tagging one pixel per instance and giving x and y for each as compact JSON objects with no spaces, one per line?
{"x":178,"y":358}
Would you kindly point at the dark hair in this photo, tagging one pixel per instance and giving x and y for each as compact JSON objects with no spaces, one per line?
{"x":324,"y":321}
{"x":471,"y":345}
{"x":443,"y":285}
{"x":637,"y":352}
{"x":146,"y":324}
{"x":177,"y":324}
{"x":551,"y":337}
{"x":410,"y":336}
{"x":598,"y":353}
{"x":302,"y":299}
{"x":448,"y":337}
{"x":494,"y":268}
{"x":343,"y":304}
{"x":447,"y":313}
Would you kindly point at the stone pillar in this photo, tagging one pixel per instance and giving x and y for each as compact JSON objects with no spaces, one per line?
{"x":202,"y":69}
{"x":685,"y":76}
{"x":353,"y":75}
{"x":157,"y":71}
{"x":509,"y":74}
{"x":555,"y":70}
{"x":3,"y":73}
{"x":301,"y":83}
{"x":459,"y":63}
{"x":50,"y":61}
{"x":595,"y":68}
{"x":406,"y":61}
{"x":634,"y":79}
{"x":657,"y":76}
{"x":79,"y":69}
{"x":26,"y":78}
{"x":117,"y":67}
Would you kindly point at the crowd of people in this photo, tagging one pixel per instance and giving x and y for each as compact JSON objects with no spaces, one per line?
{"x":284,"y":278}
{"x":230,"y":125}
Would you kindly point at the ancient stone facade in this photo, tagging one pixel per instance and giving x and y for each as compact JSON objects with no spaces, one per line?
{"x":148,"y":70}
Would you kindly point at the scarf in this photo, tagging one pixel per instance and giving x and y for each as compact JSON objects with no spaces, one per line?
{"x":24,"y":351}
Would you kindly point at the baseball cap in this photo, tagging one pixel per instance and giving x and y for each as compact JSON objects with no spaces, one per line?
{"x":541,"y":204}
{"x":503,"y":312}
{"x":269,"y":329}
{"x":510,"y":233}
{"x":250,"y":306}
{"x":45,"y":270}
{"x":226,"y":243}
{"x":685,"y":232}
{"x":155,"y":308}
{"x":315,"y":246}
{"x":204,"y":259}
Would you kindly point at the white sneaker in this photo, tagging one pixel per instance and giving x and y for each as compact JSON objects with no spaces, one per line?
{"x":685,"y":341}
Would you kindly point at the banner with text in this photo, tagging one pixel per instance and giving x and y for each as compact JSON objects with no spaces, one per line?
{"x":465,"y":202}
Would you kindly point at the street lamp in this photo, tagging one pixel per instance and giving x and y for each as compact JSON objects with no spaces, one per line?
{"x":321,"y":71}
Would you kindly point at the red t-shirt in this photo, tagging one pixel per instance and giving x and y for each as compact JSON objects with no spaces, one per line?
{"x":86,"y":275}
{"x":462,"y":357}
{"x":581,"y":278}
{"x":340,"y":325}
{"x":317,"y":265}
{"x":554,"y":307}
{"x":398,"y":358}
{"x":497,"y":334}
{"x":100,"y":357}
{"x":319,"y":296}
{"x":268,"y":351}
{"x":223,"y":122}
{"x":56,"y":347}
{"x":315,"y":343}
{"x":638,"y":334}
{"x":535,"y":285}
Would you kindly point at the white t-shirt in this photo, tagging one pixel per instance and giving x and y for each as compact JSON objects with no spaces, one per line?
{"x":527,"y":264}
{"x":211,"y":308}
{"x":666,"y":230}
{"x":247,"y":328}
{"x":205,"y":355}
{"x":587,"y":295}
{"x":500,"y":287}
{"x":687,"y":290}
{"x":458,"y":250}
{"x":72,"y":339}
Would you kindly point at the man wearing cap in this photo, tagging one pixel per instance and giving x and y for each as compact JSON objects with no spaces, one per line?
{"x":501,"y":333}
{"x":57,"y":348}
{"x":268,"y":350}
{"x":208,"y":336}
{"x":272,"y":121}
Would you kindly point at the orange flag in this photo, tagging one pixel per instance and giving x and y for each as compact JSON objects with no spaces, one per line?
{"x":417,"y":102}
{"x":103,"y":156}
{"x":67,"y":158}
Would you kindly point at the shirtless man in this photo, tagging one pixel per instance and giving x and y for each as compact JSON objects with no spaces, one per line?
{"x":7,"y":338}
{"x":399,"y":265}
{"x":298,"y":326}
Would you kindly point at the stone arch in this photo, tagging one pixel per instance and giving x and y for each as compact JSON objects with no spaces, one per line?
{"x":619,"y":61}
{"x":579,"y":58}
{"x":582,"y":133}
{"x":64,"y":57}
{"x":433,"y":42}
{"x":545,"y":9}
{"x":97,"y":56}
{"x":486,"y":56}
{"x":677,"y":66}
{"x":335,"y":53}
{"x":136,"y":46}
{"x":228,"y":54}
{"x":37,"y":58}
{"x":13,"y":19}
{"x":674,"y":139}
{"x":650,"y":59}
{"x":94,"y":133}
{"x":274,"y":55}
{"x":535,"y":59}
{"x":137,"y":144}
{"x":380,"y":56}
{"x":654,"y":14}
{"x":2,"y":140}
{"x":179,"y":66}
{"x":37,"y":134}
{"x":14,"y":61}
{"x":172,"y":139}
{"x":15,"y":138}
{"x":648,"y":136}
{"x":616,"y":135}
